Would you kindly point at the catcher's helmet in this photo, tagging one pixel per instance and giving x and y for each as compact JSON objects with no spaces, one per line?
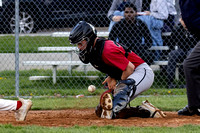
{"x":81,"y":31}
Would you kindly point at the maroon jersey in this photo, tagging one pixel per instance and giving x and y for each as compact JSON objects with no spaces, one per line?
{"x":110,"y":58}
{"x":113,"y":54}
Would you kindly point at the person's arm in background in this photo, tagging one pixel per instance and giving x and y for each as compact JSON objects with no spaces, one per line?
{"x":179,"y":35}
{"x":113,"y":7}
{"x":114,"y":32}
{"x":158,"y":9}
{"x":175,"y":37}
{"x":144,"y":51}
{"x":147,"y":36}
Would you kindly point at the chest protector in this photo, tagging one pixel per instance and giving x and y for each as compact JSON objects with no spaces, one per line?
{"x":95,"y":58}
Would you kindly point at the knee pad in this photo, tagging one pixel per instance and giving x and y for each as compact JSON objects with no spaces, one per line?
{"x":122,"y":94}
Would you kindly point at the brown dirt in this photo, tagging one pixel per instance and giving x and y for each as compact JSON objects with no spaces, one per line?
{"x":87,"y":117}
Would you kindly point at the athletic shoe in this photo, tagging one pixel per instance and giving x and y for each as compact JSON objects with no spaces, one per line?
{"x":21,"y":113}
{"x":189,"y":111}
{"x":106,"y":103}
{"x":154,"y":111}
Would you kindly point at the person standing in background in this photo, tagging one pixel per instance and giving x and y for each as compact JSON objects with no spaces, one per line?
{"x":190,"y":10}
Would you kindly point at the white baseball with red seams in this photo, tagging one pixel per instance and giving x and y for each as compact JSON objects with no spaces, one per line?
{"x":91,"y":88}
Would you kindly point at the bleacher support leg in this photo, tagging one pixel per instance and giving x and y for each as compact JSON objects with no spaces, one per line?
{"x":54,"y":73}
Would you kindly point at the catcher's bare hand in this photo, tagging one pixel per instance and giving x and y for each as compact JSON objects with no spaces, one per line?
{"x":111,"y":82}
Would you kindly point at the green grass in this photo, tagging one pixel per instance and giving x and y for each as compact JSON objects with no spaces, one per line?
{"x":167,"y":103}
{"x":67,"y":86}
{"x":94,"y":129}
{"x":64,"y":86}
{"x":28,"y":44}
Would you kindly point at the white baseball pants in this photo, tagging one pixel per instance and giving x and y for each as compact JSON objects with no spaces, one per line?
{"x":7,"y":105}
{"x":144,"y":77}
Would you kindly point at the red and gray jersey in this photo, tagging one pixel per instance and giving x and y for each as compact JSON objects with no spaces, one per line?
{"x":110,"y":58}
{"x":113,"y":54}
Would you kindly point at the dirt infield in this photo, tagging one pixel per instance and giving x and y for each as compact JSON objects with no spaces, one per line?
{"x":87,"y":117}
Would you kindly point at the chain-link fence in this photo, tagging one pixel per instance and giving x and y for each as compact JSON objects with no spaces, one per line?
{"x":47,"y":62}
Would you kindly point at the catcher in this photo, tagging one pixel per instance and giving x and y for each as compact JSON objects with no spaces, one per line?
{"x":128,"y":74}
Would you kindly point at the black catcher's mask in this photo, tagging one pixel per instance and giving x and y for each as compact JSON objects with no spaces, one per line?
{"x":83,"y":31}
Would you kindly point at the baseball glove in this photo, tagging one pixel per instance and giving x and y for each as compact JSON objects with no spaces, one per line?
{"x":154,"y":112}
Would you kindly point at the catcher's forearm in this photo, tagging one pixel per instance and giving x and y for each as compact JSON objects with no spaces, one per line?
{"x":129,"y":70}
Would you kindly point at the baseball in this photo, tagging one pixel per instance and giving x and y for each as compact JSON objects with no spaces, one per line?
{"x":91,"y":88}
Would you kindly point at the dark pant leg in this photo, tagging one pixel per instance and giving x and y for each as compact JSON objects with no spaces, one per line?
{"x":169,"y":24}
{"x":175,"y":56}
{"x":192,"y":73}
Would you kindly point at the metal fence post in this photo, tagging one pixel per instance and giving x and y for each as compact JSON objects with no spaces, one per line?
{"x":17,"y":48}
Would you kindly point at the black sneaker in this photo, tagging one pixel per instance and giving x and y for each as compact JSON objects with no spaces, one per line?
{"x":198,"y":111}
{"x":186,"y":111}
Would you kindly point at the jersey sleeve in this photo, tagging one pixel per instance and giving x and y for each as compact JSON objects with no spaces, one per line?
{"x":114,"y":55}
